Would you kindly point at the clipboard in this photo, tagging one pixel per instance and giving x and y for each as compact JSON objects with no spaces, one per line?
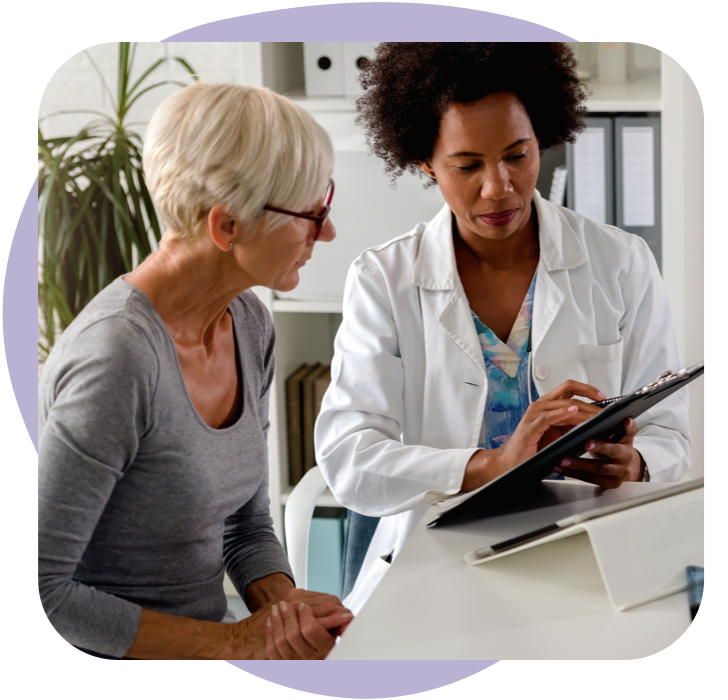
{"x":606,"y":425}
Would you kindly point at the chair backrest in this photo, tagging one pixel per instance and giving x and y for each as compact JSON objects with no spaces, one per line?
{"x":299,"y":511}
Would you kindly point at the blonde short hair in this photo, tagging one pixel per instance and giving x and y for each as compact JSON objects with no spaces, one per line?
{"x":235,"y":145}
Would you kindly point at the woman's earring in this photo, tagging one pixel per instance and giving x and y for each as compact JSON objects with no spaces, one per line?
{"x":230,"y":245}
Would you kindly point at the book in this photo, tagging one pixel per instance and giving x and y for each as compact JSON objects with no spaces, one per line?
{"x":295,"y":422}
{"x":320,"y":385}
{"x":309,"y":416}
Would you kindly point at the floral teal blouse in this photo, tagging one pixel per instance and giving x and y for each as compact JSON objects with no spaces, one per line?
{"x":506,"y":365}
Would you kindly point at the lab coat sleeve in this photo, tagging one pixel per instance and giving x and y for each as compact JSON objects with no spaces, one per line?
{"x":663,"y":438}
{"x":359,"y":431}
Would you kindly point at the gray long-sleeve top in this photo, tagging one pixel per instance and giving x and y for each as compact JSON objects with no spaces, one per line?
{"x":140,"y":501}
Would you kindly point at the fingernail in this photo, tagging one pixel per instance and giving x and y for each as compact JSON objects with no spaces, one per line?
{"x":268,"y":622}
{"x":274,"y":611}
{"x":630,"y":422}
{"x":558,"y":469}
{"x":565,"y":462}
{"x":601,"y":395}
{"x":284,"y":607}
{"x":346,"y":616}
{"x":591,"y":445}
{"x":301,"y":607}
{"x":571,"y":409}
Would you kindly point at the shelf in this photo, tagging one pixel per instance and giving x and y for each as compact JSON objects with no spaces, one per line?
{"x":326,"y":499}
{"x":321,"y":104}
{"x":307,"y":307}
{"x":633,"y":96}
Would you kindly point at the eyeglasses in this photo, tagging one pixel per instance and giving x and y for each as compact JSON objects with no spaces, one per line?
{"x":319,"y":218}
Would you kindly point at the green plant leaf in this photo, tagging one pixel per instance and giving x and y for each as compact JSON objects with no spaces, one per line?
{"x":103,"y":80}
{"x":187,"y":66}
{"x":122,"y":78}
{"x":94,"y":207}
{"x":147,"y":72}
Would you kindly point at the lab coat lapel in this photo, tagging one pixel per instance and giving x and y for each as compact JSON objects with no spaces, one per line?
{"x":559,"y":250}
{"x":436,"y":270}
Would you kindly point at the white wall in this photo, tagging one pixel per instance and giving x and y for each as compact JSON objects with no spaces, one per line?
{"x":76,"y":85}
{"x":683,"y":228}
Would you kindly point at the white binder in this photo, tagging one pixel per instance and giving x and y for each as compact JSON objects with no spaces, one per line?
{"x":323,"y":68}
{"x":356,"y":54}
{"x":642,"y":551}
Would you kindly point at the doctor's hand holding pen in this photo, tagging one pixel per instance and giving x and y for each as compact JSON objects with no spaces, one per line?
{"x":546,"y":420}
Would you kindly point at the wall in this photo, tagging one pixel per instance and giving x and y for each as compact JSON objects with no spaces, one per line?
{"x":683,"y":229}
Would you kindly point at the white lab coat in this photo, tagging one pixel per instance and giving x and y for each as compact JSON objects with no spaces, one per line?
{"x":405,"y":409}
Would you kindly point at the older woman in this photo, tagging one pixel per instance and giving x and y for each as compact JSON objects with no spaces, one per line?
{"x":433,"y":391}
{"x":154,"y":403}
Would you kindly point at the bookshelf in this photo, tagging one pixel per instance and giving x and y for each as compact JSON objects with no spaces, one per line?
{"x":306,"y":328}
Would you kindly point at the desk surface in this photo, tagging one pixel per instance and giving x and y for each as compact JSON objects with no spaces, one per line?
{"x":548,"y":602}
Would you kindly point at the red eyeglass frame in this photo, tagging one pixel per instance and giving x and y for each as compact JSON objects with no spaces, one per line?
{"x":319,"y":219}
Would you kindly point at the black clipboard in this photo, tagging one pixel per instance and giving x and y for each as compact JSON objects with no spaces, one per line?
{"x":606,"y":425}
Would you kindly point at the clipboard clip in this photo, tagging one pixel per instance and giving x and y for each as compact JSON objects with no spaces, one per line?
{"x":662,"y":379}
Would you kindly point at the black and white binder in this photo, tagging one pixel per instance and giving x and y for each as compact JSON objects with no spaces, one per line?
{"x":590,"y":164}
{"x":637,"y":179}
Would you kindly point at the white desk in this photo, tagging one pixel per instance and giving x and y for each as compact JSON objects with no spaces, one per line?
{"x":548,"y":602}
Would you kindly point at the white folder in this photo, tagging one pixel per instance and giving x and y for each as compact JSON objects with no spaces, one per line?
{"x":323,"y":68}
{"x":356,"y":54}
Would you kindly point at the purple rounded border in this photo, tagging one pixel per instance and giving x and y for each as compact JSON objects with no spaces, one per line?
{"x":345,"y":22}
{"x":367,"y":21}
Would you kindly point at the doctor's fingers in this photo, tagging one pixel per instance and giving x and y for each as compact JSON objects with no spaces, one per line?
{"x":573,"y":388}
{"x":586,"y":410}
{"x":602,"y":473}
{"x":554,"y":414}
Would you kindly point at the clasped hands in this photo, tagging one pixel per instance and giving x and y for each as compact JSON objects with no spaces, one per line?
{"x":295,"y":624}
{"x":546,"y":420}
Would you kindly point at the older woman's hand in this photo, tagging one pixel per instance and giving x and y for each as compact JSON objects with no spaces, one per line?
{"x":312,"y":631}
{"x":292,"y":632}
{"x":613,"y":462}
{"x":263,"y":593}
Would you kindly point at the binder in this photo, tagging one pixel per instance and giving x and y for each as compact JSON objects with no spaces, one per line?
{"x":637,"y":179}
{"x":642,"y":545}
{"x":614,"y":176}
{"x":356,"y":54}
{"x":323,"y":68}
{"x":590,"y":164}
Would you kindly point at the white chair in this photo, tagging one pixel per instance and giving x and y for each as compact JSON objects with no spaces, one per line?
{"x":299,"y":511}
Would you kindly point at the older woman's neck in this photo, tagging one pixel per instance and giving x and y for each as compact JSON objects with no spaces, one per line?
{"x":191,"y":284}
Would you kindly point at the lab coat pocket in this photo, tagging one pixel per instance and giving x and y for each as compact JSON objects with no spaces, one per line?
{"x":603,"y":366}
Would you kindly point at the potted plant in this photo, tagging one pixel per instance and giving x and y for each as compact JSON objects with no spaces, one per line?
{"x":95,"y":214}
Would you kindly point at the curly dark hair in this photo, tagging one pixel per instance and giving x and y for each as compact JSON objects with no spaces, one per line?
{"x":409,"y":85}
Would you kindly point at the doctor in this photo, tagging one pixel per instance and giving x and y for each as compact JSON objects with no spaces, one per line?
{"x":434,"y":391}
